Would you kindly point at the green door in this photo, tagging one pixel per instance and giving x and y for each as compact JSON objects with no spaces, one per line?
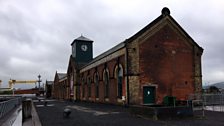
{"x":149,"y":94}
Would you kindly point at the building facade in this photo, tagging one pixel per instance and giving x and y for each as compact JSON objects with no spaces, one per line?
{"x":59,"y":86}
{"x":160,"y":60}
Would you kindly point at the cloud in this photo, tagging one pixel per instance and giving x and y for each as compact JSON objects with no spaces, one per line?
{"x":35,"y":36}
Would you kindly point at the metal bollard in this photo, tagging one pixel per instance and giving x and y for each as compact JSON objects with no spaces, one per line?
{"x":66,"y":112}
{"x":45,"y":103}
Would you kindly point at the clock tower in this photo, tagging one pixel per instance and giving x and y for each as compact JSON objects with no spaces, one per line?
{"x":82,"y":49}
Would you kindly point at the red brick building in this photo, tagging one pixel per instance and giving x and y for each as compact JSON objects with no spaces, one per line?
{"x":160,"y":60}
{"x":59,"y":86}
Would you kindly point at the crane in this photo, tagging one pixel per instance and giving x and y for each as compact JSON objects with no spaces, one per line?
{"x":0,"y":83}
{"x":13,"y":82}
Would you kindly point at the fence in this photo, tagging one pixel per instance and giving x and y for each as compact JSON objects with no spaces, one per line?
{"x":8,"y":104}
{"x":213,"y":102}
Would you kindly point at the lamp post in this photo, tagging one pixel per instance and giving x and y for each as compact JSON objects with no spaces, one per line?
{"x":39,"y":82}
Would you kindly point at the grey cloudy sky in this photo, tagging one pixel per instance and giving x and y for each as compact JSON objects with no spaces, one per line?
{"x":35,"y":35}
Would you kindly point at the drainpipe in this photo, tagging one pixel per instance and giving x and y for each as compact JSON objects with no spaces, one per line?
{"x":127,"y":74}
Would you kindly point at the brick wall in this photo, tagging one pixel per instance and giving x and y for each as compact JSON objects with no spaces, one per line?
{"x":166,"y":60}
{"x":110,"y":65}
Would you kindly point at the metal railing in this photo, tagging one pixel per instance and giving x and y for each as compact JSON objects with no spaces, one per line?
{"x":9,"y":104}
{"x":213,"y":99}
{"x":213,"y":102}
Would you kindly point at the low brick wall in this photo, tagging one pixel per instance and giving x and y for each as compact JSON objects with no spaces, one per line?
{"x":174,"y":112}
{"x":162,"y":112}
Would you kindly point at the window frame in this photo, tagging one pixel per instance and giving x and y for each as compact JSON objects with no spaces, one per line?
{"x":119,"y":76}
{"x":106,"y":82}
{"x":96,"y":82}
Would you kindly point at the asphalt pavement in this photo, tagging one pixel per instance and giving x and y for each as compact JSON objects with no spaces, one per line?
{"x":51,"y":113}
{"x":87,"y":114}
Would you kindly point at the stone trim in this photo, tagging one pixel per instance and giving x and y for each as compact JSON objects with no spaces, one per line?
{"x":106,"y":99}
{"x":105,"y":59}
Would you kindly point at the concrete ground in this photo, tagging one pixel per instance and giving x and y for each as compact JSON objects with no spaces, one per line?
{"x":92,"y":114}
{"x":13,"y":118}
{"x":88,"y":114}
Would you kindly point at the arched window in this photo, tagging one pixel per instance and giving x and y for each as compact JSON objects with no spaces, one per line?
{"x":83,"y":87}
{"x":106,"y":83}
{"x":96,"y":81}
{"x":89,"y":86}
{"x":119,"y":78}
{"x":71,"y":85}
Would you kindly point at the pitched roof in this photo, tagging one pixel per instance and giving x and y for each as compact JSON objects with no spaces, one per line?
{"x":61,"y":75}
{"x":82,"y":38}
{"x":108,"y":52}
{"x":75,"y":64}
{"x":165,"y":13}
{"x":49,"y":82}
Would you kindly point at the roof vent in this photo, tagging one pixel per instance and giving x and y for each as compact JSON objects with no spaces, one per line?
{"x":165,"y":11}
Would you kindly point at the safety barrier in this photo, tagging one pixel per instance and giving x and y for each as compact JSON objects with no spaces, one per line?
{"x":9,"y":104}
{"x":212,"y":102}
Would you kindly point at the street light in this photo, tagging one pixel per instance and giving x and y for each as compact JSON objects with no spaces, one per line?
{"x":39,"y":81}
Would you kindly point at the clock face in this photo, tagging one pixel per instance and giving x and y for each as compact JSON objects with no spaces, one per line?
{"x":84,"y":47}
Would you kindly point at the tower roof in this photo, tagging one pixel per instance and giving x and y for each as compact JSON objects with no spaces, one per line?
{"x":82,"y":38}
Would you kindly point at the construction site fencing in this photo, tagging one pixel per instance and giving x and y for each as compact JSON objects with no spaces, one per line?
{"x":9,"y":104}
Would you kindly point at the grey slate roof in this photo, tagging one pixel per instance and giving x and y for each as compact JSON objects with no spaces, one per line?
{"x":108,"y":52}
{"x":82,"y":38}
{"x":49,"y":82}
{"x":165,"y":12}
{"x":77,"y":65}
{"x":61,"y":75}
